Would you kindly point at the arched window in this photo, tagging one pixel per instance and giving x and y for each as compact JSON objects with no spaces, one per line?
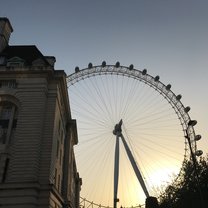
{"x":8,"y":121}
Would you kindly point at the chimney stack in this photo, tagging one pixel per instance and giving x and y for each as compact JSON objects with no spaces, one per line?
{"x":5,"y":32}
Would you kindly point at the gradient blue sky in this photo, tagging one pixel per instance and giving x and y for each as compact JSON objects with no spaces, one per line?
{"x":168,"y":37}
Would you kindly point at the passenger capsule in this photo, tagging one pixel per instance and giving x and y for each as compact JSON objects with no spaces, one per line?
{"x":187,"y":109}
{"x":144,"y":72}
{"x":76,"y":69}
{"x":103,"y":64}
{"x":198,"y":153}
{"x":178,"y":97}
{"x":168,"y":87}
{"x":90,"y":65}
{"x":192,"y":123}
{"x":117,"y":64}
{"x":156,"y":78}
{"x":131,"y":67}
{"x":197,"y":137}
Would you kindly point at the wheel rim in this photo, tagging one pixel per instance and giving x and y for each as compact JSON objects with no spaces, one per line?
{"x":97,"y":111}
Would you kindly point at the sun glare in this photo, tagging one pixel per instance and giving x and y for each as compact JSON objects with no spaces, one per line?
{"x":162,"y":176}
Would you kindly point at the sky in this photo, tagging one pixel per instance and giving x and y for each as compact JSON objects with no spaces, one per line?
{"x":167,"y":37}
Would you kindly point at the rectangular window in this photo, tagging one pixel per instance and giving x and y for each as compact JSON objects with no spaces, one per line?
{"x":8,"y":84}
{"x":2,"y":60}
{"x":5,"y":170}
{"x":58,"y":182}
{"x":3,"y":135}
{"x":60,"y":158}
{"x":57,"y":150}
{"x":61,"y":136}
{"x":6,"y":113}
{"x":7,"y":123}
{"x":59,"y":127}
{"x":55,"y":177}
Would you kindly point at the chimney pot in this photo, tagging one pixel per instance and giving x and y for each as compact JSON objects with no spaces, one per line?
{"x":5,"y":32}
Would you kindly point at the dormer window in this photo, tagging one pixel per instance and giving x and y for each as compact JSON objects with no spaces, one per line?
{"x":38,"y":62}
{"x":15,"y":62}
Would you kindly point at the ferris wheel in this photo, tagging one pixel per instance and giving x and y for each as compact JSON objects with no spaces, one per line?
{"x":134,"y":133}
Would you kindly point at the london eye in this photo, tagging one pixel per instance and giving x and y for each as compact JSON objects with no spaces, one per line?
{"x":134,"y":133}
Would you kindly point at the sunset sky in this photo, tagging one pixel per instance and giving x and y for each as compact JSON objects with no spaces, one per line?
{"x":167,"y":37}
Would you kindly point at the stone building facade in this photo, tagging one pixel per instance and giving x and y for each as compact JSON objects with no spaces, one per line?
{"x":37,"y":133}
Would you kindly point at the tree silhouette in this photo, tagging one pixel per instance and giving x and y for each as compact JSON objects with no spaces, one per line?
{"x":190,"y":190}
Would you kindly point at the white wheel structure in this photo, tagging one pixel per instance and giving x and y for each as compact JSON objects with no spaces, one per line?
{"x":156,"y":127}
